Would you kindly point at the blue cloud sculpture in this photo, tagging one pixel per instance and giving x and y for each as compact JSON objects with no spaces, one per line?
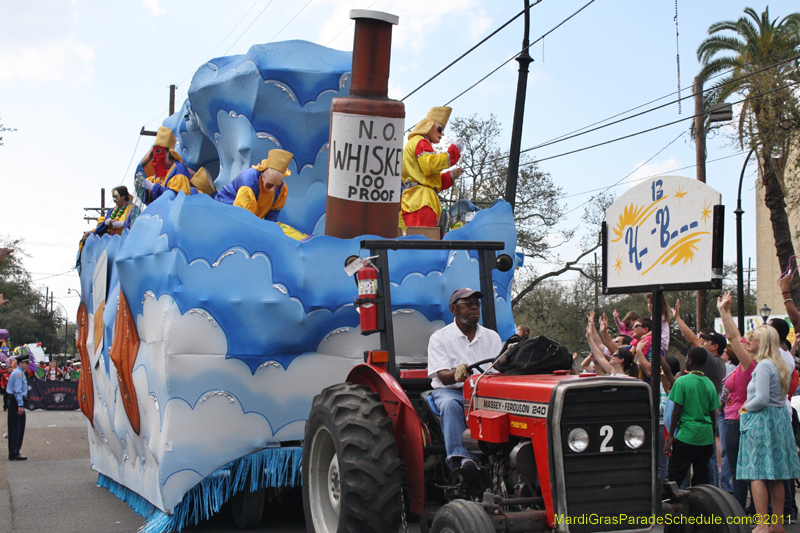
{"x":241,"y":326}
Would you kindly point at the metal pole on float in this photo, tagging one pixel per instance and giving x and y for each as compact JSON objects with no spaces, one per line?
{"x":524,"y":59}
{"x":655,"y":358}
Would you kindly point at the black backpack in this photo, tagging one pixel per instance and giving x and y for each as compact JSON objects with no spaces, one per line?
{"x":537,"y":355}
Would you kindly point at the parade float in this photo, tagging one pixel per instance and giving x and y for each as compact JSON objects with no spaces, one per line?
{"x":205,"y":332}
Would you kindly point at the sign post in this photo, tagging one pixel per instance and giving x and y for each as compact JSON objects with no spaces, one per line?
{"x":664,"y":234}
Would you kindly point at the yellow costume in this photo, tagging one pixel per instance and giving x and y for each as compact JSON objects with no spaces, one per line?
{"x":422,"y":172}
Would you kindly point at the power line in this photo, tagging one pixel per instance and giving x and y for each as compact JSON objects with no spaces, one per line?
{"x":138,"y":138}
{"x":580,"y":131}
{"x":465,"y":54}
{"x":53,"y":276}
{"x":656,"y":127}
{"x":247,"y":28}
{"x":254,"y":20}
{"x":515,"y":55}
{"x":290,"y":20}
{"x":223,"y":39}
{"x":648,"y":177}
{"x":665,"y":96}
{"x":220,"y":44}
{"x":564,"y":138}
{"x":627,"y":175}
{"x":348,"y":25}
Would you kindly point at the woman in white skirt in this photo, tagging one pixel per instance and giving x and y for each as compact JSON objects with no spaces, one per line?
{"x":767,"y":451}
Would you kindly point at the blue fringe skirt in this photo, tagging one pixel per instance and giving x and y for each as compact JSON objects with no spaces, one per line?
{"x":767,"y":449}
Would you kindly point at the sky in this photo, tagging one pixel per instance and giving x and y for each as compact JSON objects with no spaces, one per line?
{"x":80,"y":78}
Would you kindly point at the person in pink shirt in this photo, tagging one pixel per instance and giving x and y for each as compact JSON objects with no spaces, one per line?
{"x":736,"y":384}
{"x":625,"y":325}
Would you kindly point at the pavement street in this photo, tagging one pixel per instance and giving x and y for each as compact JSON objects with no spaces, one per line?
{"x":55,"y":491}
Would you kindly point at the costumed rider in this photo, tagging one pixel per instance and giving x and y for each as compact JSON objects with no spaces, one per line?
{"x":450,"y":351}
{"x":17,"y":389}
{"x":261,"y":190}
{"x":121,"y":217}
{"x":422,"y":170}
{"x":169,"y":171}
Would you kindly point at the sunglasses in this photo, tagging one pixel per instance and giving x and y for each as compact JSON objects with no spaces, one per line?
{"x":440,"y":130}
{"x":638,"y":326}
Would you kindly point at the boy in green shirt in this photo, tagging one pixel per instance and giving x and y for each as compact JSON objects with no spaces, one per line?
{"x":696,"y":401}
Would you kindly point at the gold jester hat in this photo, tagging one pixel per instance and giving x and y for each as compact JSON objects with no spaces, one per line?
{"x":276,"y":160}
{"x":165,"y":138}
{"x":436,"y":114}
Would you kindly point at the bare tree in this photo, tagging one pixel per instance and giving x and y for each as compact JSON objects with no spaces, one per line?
{"x":539,"y":209}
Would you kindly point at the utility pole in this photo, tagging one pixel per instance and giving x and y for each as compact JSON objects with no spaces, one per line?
{"x":700,"y":159}
{"x":99,"y":210}
{"x":172,"y":88}
{"x":524,"y":59}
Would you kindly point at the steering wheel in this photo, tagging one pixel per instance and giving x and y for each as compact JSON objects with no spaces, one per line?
{"x":477,"y":365}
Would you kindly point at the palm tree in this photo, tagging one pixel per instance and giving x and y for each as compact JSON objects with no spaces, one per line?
{"x":761,"y":64}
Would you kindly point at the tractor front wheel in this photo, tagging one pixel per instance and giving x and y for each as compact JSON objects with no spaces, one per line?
{"x":707,"y":502}
{"x":352,"y":473}
{"x":461,"y":516}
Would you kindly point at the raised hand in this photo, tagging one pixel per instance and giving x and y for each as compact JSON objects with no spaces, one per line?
{"x":785,"y":284}
{"x":676,"y":311}
{"x":724,"y":302}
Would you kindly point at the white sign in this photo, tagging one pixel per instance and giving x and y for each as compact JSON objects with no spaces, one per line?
{"x":512,"y":407}
{"x":661,"y":233}
{"x":366,"y":155}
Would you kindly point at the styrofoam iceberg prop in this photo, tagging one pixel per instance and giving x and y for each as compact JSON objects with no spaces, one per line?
{"x":239,"y":326}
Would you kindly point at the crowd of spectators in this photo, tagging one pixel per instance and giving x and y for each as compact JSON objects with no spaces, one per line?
{"x":726,"y":417}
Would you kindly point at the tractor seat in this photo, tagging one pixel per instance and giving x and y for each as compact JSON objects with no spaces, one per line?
{"x":427,"y":400}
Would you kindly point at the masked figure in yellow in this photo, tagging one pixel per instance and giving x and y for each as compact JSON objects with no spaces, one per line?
{"x":164,"y":169}
{"x":261,"y":190}
{"x":422,"y":169}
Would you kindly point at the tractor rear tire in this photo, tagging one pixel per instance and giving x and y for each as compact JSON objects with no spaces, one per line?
{"x":248,"y":507}
{"x":461,"y":516}
{"x":710,"y":501}
{"x":352,"y":473}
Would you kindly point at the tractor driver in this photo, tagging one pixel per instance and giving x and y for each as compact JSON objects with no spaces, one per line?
{"x":450,"y":350}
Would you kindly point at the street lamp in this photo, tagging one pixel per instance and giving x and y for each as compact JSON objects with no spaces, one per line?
{"x":764,"y":312}
{"x":739,"y":260}
{"x":66,"y":328}
{"x":69,"y":291}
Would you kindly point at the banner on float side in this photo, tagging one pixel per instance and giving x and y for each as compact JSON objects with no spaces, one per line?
{"x":751,"y":322}
{"x":52,"y":395}
{"x":663,"y":234}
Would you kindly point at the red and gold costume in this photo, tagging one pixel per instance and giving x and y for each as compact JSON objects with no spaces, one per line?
{"x":422,"y":172}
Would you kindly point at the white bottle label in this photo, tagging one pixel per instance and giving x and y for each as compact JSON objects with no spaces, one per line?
{"x":366,"y":155}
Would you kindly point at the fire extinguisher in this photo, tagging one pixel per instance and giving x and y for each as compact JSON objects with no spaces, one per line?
{"x":367,"y":277}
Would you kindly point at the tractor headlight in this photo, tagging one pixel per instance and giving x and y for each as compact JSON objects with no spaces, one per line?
{"x":634,"y":436}
{"x":578,"y":440}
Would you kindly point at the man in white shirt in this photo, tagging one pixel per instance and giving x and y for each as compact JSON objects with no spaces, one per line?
{"x":450,"y":351}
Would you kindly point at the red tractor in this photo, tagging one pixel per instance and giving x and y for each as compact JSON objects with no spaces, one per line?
{"x":556,"y":452}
